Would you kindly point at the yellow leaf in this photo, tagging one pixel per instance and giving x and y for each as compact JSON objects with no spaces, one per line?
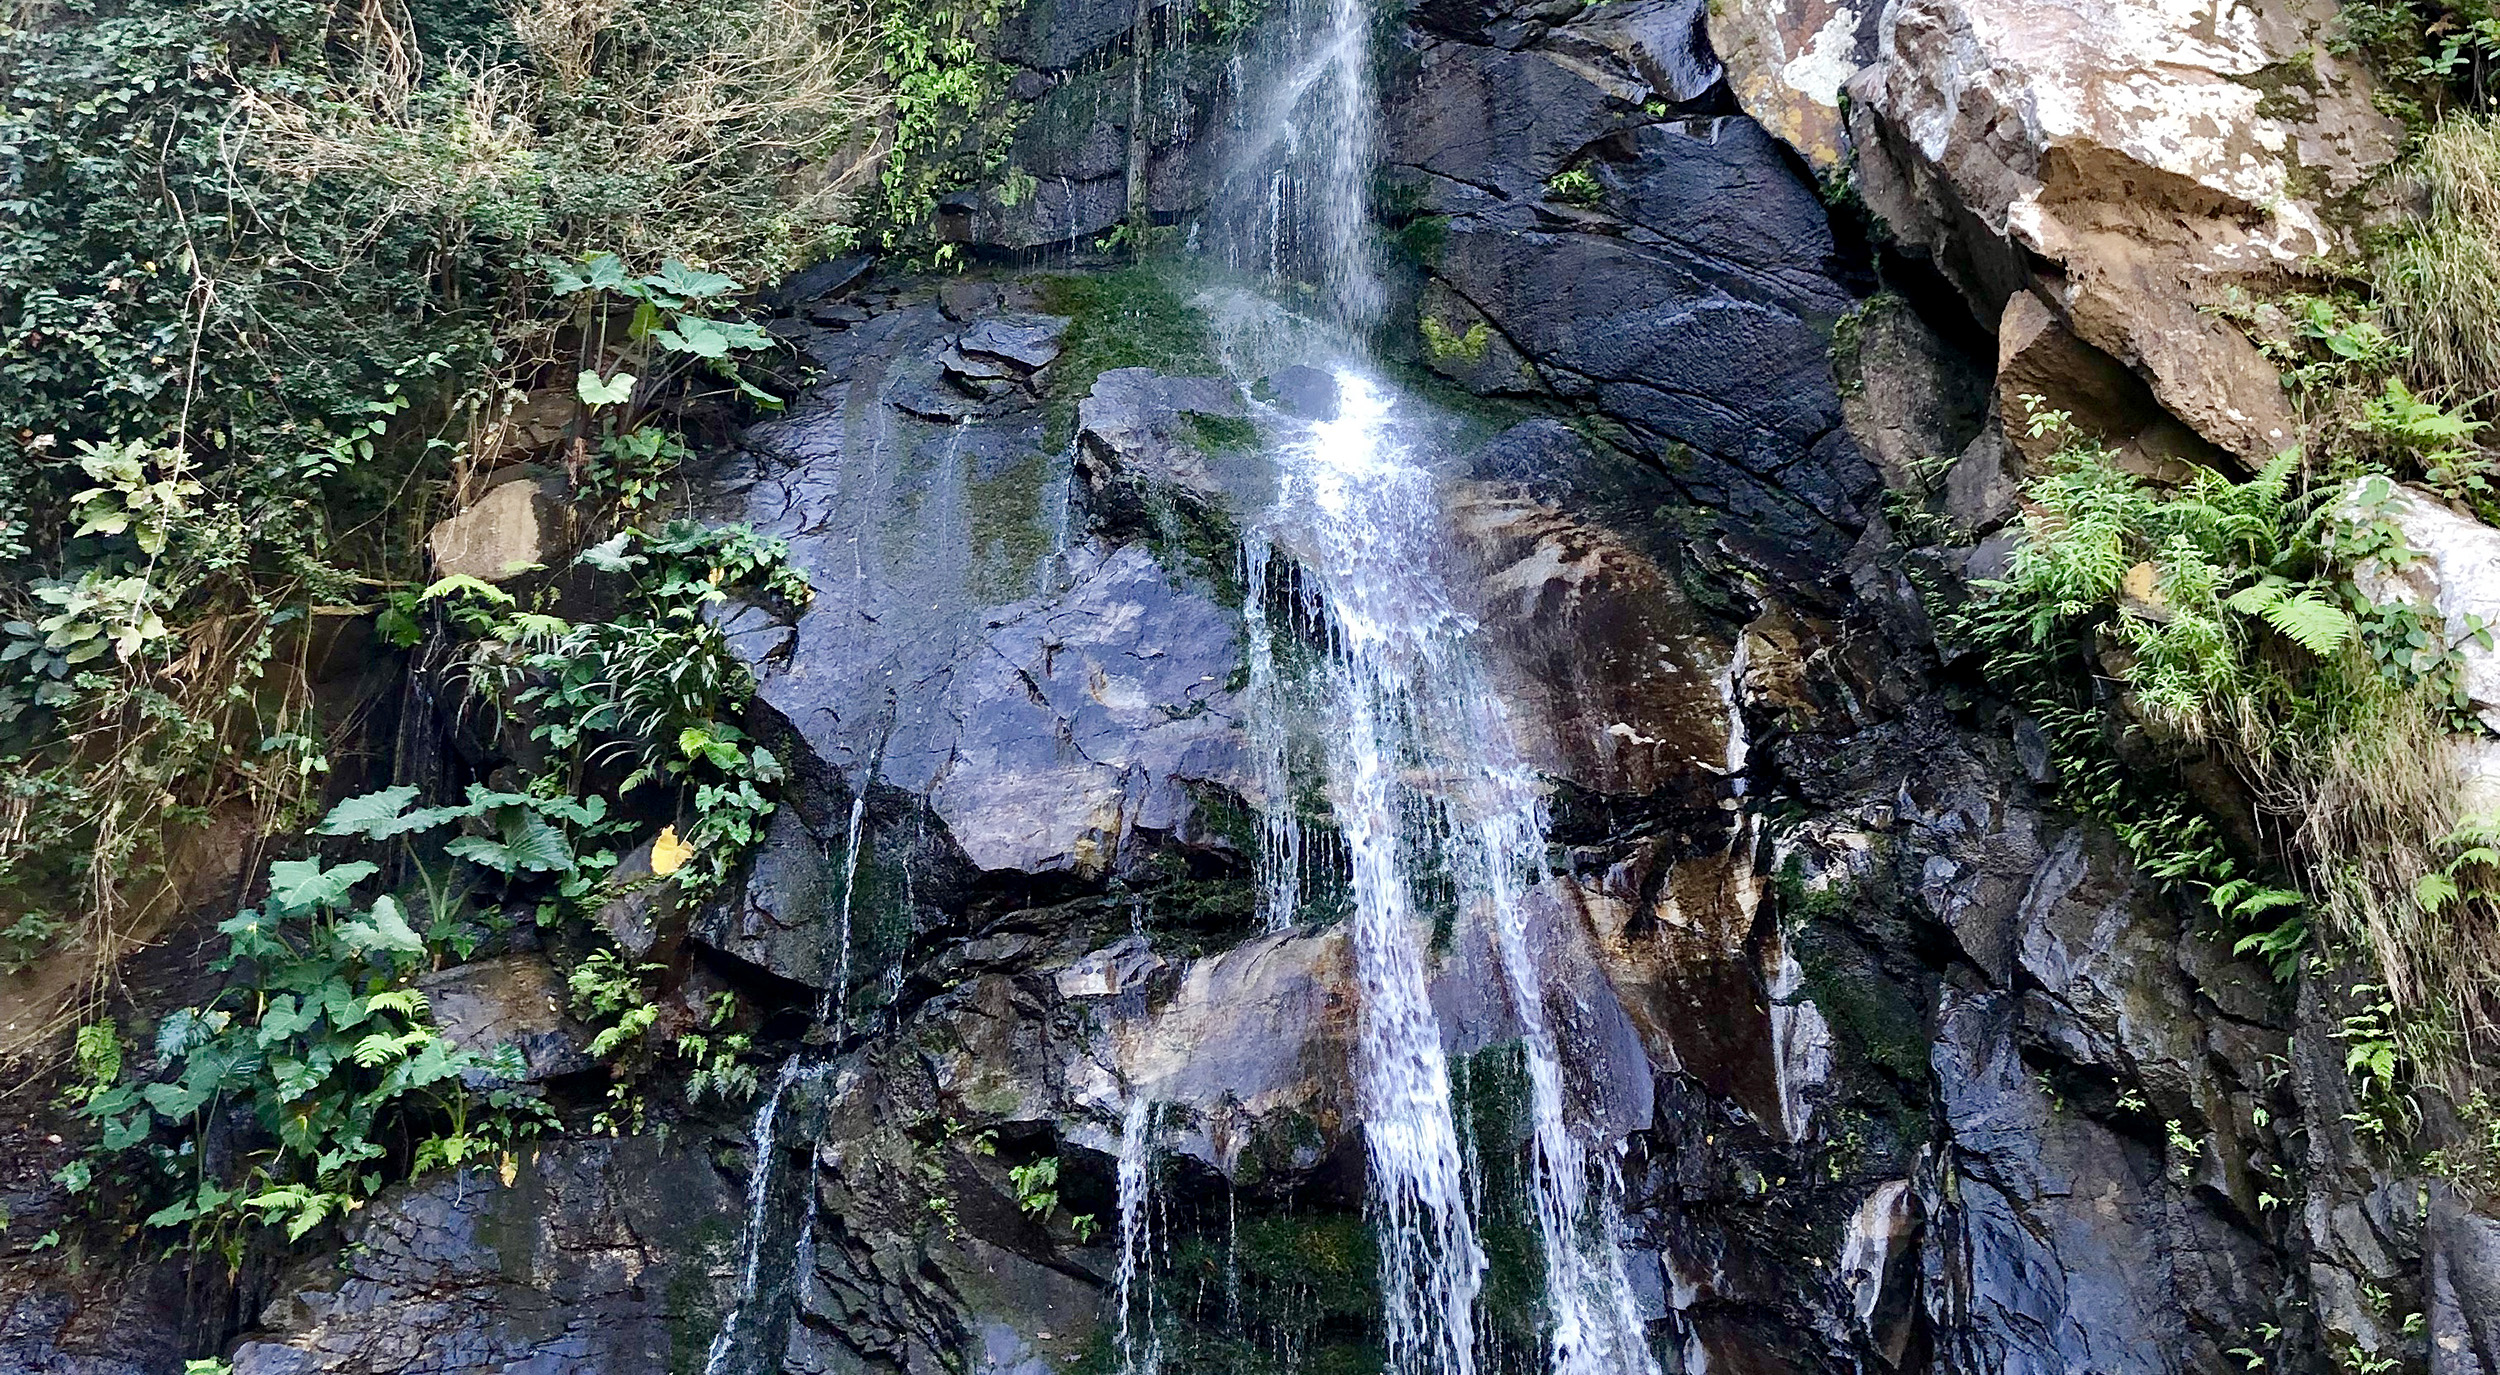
{"x":668,"y":853}
{"x":511,"y":1169}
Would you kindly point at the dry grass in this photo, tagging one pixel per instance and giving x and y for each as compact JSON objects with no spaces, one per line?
{"x":731,"y":133}
{"x":2372,"y":805}
{"x":2441,"y":280}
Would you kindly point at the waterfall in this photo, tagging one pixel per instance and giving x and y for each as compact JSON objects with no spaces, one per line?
{"x":794,"y":1072}
{"x":1134,"y":1176}
{"x":1423,"y":766}
{"x":1280,"y":827}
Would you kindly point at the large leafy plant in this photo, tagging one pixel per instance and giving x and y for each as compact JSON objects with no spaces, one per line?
{"x":314,"y":1079}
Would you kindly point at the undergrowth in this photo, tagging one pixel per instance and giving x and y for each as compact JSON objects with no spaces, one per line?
{"x":282,"y":279}
{"x":322,"y":1040}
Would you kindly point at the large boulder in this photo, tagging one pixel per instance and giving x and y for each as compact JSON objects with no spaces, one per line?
{"x":2129,"y":160}
{"x":2449,"y":566}
{"x":1787,"y":63}
{"x":516,"y":527}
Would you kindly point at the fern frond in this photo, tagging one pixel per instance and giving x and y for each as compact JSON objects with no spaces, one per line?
{"x":407,"y":1002}
{"x":2312,"y":622}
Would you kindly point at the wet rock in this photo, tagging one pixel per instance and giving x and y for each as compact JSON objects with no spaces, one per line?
{"x":1110,"y":971}
{"x":1023,"y":342}
{"x":1879,"y":1265}
{"x":839,"y":315}
{"x":1651,"y":49}
{"x":514,"y":528}
{"x":1139,"y":425}
{"x":2061,"y":1246}
{"x":1305,"y":391}
{"x":588,"y":1256}
{"x":1647,"y":706}
{"x":510,"y":1000}
{"x":2464,"y":1288}
{"x":1911,"y":399}
{"x":819,"y":282}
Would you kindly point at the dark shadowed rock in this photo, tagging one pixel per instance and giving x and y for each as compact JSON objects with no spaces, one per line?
{"x":510,"y":1000}
{"x":589,"y":1258}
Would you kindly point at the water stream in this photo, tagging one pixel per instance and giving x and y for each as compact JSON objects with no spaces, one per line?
{"x":1424,"y":774}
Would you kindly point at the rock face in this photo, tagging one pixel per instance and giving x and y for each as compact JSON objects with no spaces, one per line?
{"x":515,"y":527}
{"x":585,"y":1256}
{"x":1686,"y":291}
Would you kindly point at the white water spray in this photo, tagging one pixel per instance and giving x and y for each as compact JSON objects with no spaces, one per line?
{"x":1139,"y":1345}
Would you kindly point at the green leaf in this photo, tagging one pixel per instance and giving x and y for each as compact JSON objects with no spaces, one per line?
{"x":173,"y":1101}
{"x":693,"y":284}
{"x":612,"y":391}
{"x":611,"y":555}
{"x":383,"y":928}
{"x":300,"y":885}
{"x":464,"y":584}
{"x":2434,"y":891}
{"x":597,"y":272}
{"x":184,"y":1030}
{"x":2312,"y":622}
{"x":528,"y":845}
{"x":378,"y":815}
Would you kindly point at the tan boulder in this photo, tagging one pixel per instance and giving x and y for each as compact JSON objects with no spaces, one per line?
{"x":1788,"y":62}
{"x":513,"y":528}
{"x":2127,"y":160}
{"x":2042,"y":365}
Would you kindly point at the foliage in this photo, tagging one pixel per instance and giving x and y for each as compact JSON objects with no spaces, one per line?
{"x":2226,"y":615}
{"x":275,"y":274}
{"x":2177,"y":583}
{"x":1576,"y":186}
{"x":2431,"y":55}
{"x":324,"y":1048}
{"x":950,"y":121}
{"x":1132,"y":318}
{"x":2440,"y":276}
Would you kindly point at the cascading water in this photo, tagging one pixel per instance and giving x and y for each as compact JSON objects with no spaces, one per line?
{"x":795,"y":1072}
{"x":1422,"y":765}
{"x":1140,"y":1347}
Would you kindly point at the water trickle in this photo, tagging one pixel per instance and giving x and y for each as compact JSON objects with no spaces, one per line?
{"x":1139,"y":1345}
{"x":794,"y":1072}
{"x":832,"y":1002}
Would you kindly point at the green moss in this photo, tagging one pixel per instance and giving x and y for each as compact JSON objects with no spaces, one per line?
{"x":1422,"y":240}
{"x":1197,"y":541}
{"x":1222,"y":434}
{"x":2287,"y":90}
{"x":691,"y":1311}
{"x":1445,"y":344}
{"x":1012,"y":534}
{"x":1491,"y":1089}
{"x":1134,"y":318}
